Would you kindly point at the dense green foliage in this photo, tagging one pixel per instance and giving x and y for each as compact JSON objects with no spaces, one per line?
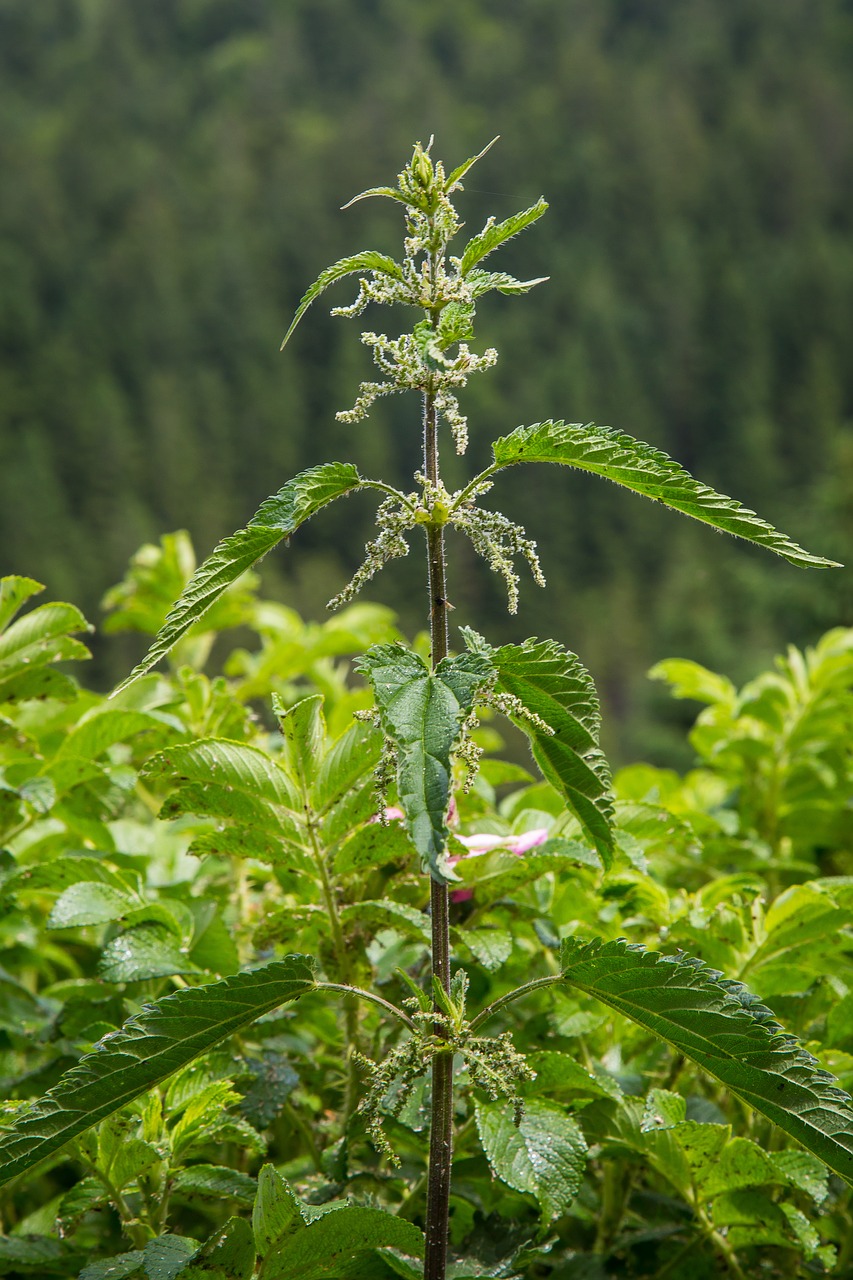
{"x":164,"y":840}
{"x":172,"y":173}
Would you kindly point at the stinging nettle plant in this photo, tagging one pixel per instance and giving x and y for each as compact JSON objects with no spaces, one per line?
{"x":422,"y":738}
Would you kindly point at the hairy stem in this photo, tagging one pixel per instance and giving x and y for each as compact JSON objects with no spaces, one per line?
{"x":513,"y":995}
{"x":441,"y":1128}
{"x":348,"y":990}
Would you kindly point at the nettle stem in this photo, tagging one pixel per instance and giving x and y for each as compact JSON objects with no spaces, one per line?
{"x":441,"y":1127}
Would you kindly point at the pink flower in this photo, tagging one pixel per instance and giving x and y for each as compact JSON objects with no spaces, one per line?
{"x":486,"y":841}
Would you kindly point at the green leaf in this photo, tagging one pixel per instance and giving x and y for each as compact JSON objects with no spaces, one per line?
{"x":59,"y":874}
{"x":149,"y":951}
{"x":148,"y":1049}
{"x":490,"y":946}
{"x":276,"y":519}
{"x":42,"y":635}
{"x":690,"y":680}
{"x":89,"y":902}
{"x":165,"y":1256}
{"x":391,"y":192}
{"x":554,"y":685}
{"x":481,"y":282}
{"x":117,"y":1268}
{"x":647,"y":471}
{"x":544,"y":1156}
{"x":423,"y":712}
{"x":214,"y":1182}
{"x":456,"y":175}
{"x":495,"y":874}
{"x":368,"y":260}
{"x":35,"y":1255}
{"x":229,"y":1254}
{"x":497,"y":233}
{"x":232,"y":765}
{"x":374,"y":845}
{"x":105,"y":726}
{"x":277,"y":1213}
{"x":388,"y":914}
{"x":14,"y":592}
{"x":324,"y":1247}
{"x":727,"y":1032}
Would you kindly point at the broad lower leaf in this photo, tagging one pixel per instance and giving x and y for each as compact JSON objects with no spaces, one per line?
{"x":553,"y":684}
{"x":296,"y":1241}
{"x":323,"y":1248}
{"x":422,"y":712}
{"x":148,"y":1049}
{"x":727,"y":1032}
{"x":647,"y":471}
{"x":276,"y":519}
{"x":545,"y":1155}
{"x":368,"y":260}
{"x":497,"y":233}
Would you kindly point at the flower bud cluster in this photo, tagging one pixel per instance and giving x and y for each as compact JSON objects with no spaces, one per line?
{"x":494,"y":1065}
{"x":430,"y":280}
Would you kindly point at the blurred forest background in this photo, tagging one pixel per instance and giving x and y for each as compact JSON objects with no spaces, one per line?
{"x":172,"y":174}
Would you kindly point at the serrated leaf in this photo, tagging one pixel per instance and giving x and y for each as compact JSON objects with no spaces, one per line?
{"x":727,"y":1032}
{"x":552,"y":683}
{"x":337,"y":1238}
{"x":277,"y":1212}
{"x":481,"y":282}
{"x":229,"y":1254}
{"x":214,"y":1182}
{"x":497,"y":233}
{"x":368,"y":260}
{"x":42,"y":635}
{"x":152,"y":1046}
{"x":423,"y":712}
{"x":544,"y":1156}
{"x":388,"y":914}
{"x":232,"y":765}
{"x":58,"y":874}
{"x":85,"y":1195}
{"x":277,"y":518}
{"x":645,"y":470}
{"x":117,"y":1268}
{"x":456,"y":175}
{"x":166,"y":1255}
{"x":374,"y":845}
